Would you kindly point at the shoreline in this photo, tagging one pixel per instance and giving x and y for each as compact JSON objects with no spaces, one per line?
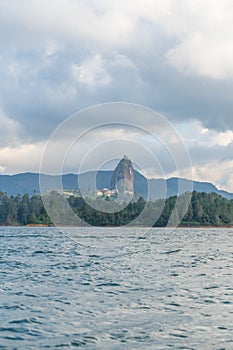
{"x":154,"y":227}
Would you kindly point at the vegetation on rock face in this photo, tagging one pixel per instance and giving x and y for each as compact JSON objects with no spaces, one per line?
{"x":123,"y":176}
{"x":204,"y":209}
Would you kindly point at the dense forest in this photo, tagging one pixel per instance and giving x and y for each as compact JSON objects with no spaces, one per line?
{"x":203,"y":209}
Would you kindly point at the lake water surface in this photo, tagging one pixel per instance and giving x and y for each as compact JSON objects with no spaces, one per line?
{"x":120,"y":288}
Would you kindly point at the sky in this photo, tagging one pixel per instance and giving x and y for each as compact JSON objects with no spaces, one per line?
{"x":58,"y":57}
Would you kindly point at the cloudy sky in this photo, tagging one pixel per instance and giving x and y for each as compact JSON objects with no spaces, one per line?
{"x":174,"y":56}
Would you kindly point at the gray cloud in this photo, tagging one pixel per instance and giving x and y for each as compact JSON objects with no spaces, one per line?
{"x":78,"y":54}
{"x":60,"y":56}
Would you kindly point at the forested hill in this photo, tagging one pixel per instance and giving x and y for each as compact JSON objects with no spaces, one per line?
{"x":29,"y":183}
{"x":204,"y":209}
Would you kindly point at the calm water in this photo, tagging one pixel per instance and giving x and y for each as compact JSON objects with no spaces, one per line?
{"x":116,"y":289}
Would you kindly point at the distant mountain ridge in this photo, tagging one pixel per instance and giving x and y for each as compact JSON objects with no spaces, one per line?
{"x":159,"y":188}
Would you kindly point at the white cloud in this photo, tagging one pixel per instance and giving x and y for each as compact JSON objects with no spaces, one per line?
{"x":204,"y":32}
{"x":219,"y":173}
{"x":59,"y":56}
{"x":25,"y":157}
{"x":194,"y":134}
{"x":205,"y":55}
{"x":9,"y":130}
{"x":91,"y":72}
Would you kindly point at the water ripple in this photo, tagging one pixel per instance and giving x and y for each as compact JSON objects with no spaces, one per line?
{"x":163,"y":291}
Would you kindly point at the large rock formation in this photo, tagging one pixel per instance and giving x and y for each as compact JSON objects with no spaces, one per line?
{"x":123,"y":177}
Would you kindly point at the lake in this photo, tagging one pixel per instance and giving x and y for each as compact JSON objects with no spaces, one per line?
{"x":119,"y":288}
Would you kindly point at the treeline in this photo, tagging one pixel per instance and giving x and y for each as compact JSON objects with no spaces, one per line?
{"x":194,"y":209}
{"x":22,"y":210}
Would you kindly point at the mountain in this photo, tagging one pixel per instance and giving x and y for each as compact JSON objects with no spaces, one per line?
{"x":123,"y":176}
{"x":159,"y":188}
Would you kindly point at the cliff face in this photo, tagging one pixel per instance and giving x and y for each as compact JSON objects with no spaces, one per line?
{"x":123,"y":176}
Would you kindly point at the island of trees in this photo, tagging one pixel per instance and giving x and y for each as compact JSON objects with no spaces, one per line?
{"x":203,"y":210}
